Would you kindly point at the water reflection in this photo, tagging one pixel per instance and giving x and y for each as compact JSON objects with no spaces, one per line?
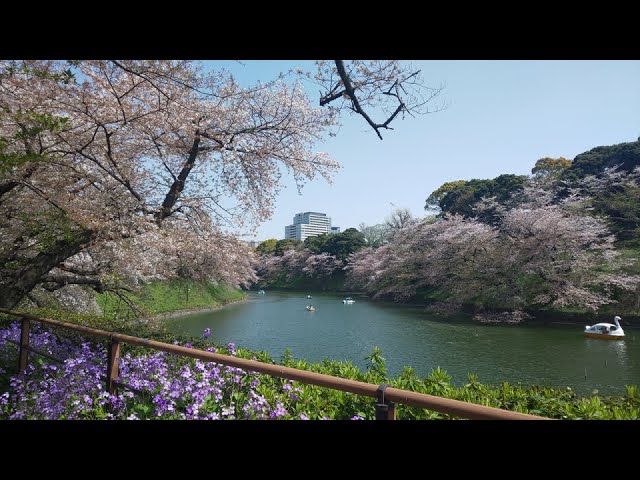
{"x":617,"y":347}
{"x":620,"y":348}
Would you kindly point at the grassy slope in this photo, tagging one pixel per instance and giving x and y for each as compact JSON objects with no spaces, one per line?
{"x":153,"y":299}
{"x":164,"y":297}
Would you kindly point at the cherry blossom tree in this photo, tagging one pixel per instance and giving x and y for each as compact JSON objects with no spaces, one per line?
{"x":447,"y":253}
{"x":540,"y":252}
{"x":139,"y":165}
{"x":296,"y":263}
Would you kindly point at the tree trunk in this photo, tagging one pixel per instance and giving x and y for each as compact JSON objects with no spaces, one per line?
{"x":16,"y":284}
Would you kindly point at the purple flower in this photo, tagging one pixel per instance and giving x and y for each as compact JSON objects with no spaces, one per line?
{"x":279,"y":411}
{"x":357,"y":417}
{"x":303,"y":417}
{"x":206,"y":333}
{"x":173,"y":386}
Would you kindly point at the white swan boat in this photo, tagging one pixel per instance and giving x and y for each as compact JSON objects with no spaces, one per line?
{"x":310,"y":308}
{"x":605,"y":331}
{"x":348,"y":300}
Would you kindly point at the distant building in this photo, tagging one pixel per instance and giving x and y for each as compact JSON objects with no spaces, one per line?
{"x":308,"y":224}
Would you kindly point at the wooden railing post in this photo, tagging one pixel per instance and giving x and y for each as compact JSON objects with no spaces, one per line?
{"x":113,"y":359}
{"x":385,"y":409}
{"x":23,"y":356}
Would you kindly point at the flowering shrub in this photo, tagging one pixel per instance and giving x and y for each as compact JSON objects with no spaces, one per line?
{"x":168,"y":386}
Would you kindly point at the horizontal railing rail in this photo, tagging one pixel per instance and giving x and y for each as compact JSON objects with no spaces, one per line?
{"x":385,"y":394}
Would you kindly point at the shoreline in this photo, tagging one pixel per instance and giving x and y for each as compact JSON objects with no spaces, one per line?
{"x":187,"y":311}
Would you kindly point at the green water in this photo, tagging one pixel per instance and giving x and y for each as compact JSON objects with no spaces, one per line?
{"x":549,"y":355}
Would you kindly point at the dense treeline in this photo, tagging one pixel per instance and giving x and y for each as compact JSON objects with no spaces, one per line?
{"x":317,"y":262}
{"x":626,"y":156}
{"x":603,"y":174}
{"x":564,"y":237}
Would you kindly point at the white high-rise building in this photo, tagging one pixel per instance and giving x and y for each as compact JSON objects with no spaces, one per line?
{"x":308,"y":224}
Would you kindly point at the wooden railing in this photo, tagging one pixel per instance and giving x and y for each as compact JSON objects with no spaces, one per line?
{"x":386,"y":396}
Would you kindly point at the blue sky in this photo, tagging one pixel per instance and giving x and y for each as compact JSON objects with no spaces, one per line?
{"x":501,"y":117}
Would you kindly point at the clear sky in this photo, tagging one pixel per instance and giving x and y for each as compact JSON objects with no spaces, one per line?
{"x":501,"y":117}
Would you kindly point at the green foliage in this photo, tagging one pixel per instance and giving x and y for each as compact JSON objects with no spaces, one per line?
{"x":48,"y":228}
{"x":594,"y":162}
{"x":621,"y":207}
{"x":619,"y":204}
{"x":286,"y":244}
{"x":32,"y":124}
{"x":318,"y":243}
{"x":462,"y":199}
{"x":551,"y":166}
{"x":435,"y":199}
{"x":268,"y":247}
{"x":340,"y":245}
{"x":65,"y":76}
{"x":343,"y":244}
{"x":11,"y":160}
{"x":376,"y":365}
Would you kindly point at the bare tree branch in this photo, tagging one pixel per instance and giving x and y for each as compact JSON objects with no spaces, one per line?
{"x":346,"y":81}
{"x":372,"y":88}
